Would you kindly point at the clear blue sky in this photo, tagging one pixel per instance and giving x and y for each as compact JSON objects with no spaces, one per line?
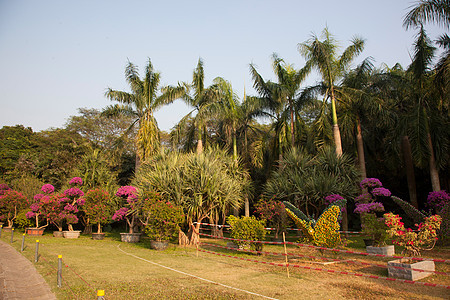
{"x":57,"y":56}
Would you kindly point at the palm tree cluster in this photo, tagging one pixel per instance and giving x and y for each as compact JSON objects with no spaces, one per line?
{"x":392,"y":120}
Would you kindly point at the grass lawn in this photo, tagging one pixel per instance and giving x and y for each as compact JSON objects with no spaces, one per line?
{"x":104,"y":265}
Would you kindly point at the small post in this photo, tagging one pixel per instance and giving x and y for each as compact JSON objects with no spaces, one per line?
{"x":1,"y":227}
{"x":285,"y":253}
{"x":59,"y":272}
{"x":12,"y":235}
{"x":100,"y":294}
{"x":23,"y":242}
{"x":36,"y":254}
{"x":196,"y":246}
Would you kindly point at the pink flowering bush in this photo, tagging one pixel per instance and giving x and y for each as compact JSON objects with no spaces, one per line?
{"x":274,"y":213}
{"x":96,"y":207}
{"x":365,"y":208}
{"x":370,"y":183}
{"x":414,"y":242}
{"x":48,"y":188}
{"x":132,"y":207}
{"x":76,"y":181}
{"x":71,"y":207}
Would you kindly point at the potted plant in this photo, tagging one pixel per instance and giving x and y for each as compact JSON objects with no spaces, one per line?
{"x":97,"y":210}
{"x":162,"y":220}
{"x":73,"y":200}
{"x":414,"y":242}
{"x":130,"y":212}
{"x":11,"y":203}
{"x":38,"y":209}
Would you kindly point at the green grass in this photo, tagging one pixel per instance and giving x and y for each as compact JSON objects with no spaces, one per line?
{"x":104,"y":266}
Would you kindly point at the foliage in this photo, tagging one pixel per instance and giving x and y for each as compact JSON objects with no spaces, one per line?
{"x":437,"y":200}
{"x":273,"y":212}
{"x":97,"y":207}
{"x":444,"y":232}
{"x":424,"y":239}
{"x":305,"y":180}
{"x":11,"y":203}
{"x":374,"y":228}
{"x":205,"y":185}
{"x":162,"y":219}
{"x":22,"y":221}
{"x":248,"y":229}
{"x":27,"y":184}
{"x":325,"y":231}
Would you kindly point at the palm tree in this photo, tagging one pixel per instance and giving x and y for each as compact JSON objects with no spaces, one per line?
{"x":434,"y":11}
{"x":140,"y":104}
{"x":199,"y":98}
{"x":322,"y":55}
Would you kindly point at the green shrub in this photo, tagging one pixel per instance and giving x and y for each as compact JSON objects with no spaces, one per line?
{"x":247,"y":228}
{"x":21,"y":220}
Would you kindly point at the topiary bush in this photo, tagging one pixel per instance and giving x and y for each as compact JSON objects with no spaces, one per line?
{"x":249,"y":229}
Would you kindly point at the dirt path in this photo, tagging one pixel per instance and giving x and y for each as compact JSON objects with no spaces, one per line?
{"x":19,"y":278}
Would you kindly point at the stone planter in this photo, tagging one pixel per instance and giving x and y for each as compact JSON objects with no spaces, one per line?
{"x":58,"y":234}
{"x":98,"y":236}
{"x":162,"y":245}
{"x":35,"y":231}
{"x":385,"y":250}
{"x":7,"y":229}
{"x":72,"y":234}
{"x":407,"y":273}
{"x":130,"y":237}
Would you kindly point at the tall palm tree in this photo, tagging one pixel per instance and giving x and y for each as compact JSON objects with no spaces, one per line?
{"x":323,"y":56}
{"x":140,"y":104}
{"x":198,"y":99}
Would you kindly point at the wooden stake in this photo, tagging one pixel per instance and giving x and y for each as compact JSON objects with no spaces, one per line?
{"x":285,"y":253}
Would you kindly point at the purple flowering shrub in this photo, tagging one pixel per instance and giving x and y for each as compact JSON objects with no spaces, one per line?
{"x":48,"y":188}
{"x":76,"y":181}
{"x":132,"y":207}
{"x":364,"y":208}
{"x":437,"y":200}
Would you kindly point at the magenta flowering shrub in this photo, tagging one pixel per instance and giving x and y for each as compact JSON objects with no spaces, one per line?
{"x":76,"y":181}
{"x":334,"y":198}
{"x":48,"y":188}
{"x":364,"y":208}
{"x":3,"y":188}
{"x":437,"y":200}
{"x":381,"y":191}
{"x":132,"y":207}
{"x":120,"y":214}
{"x":370,"y":183}
{"x":11,"y":202}
{"x":96,"y":207}
{"x":274,"y":213}
{"x":74,"y":192}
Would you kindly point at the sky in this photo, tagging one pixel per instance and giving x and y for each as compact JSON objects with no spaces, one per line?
{"x":59,"y":56}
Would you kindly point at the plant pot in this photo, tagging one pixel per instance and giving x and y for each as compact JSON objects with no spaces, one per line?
{"x":130,"y":237}
{"x":98,"y":236}
{"x":58,"y":234}
{"x":159,"y":245}
{"x":368,"y":242}
{"x":384,"y":250}
{"x":7,"y":229}
{"x":72,"y":234}
{"x":35,"y":231}
{"x":407,"y":273}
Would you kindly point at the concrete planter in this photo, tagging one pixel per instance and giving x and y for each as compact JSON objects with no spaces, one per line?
{"x":130,"y":237}
{"x":159,"y":245}
{"x":385,"y":250}
{"x":98,"y":236}
{"x":407,"y":273}
{"x":72,"y":234}
{"x":35,"y":231}
{"x":58,"y":234}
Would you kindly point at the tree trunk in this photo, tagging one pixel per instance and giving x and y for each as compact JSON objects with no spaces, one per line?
{"x":292,"y":123}
{"x":409,"y":166}
{"x":247,"y":207}
{"x":436,"y":185}
{"x":199,"y":142}
{"x":360,"y":149}
{"x":336,"y":131}
{"x":194,"y":237}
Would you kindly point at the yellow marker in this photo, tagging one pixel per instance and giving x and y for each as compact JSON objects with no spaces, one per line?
{"x":23,"y":234}
{"x":37,"y":241}
{"x":12,"y":229}
{"x":59,"y":256}
{"x":100,"y":293}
